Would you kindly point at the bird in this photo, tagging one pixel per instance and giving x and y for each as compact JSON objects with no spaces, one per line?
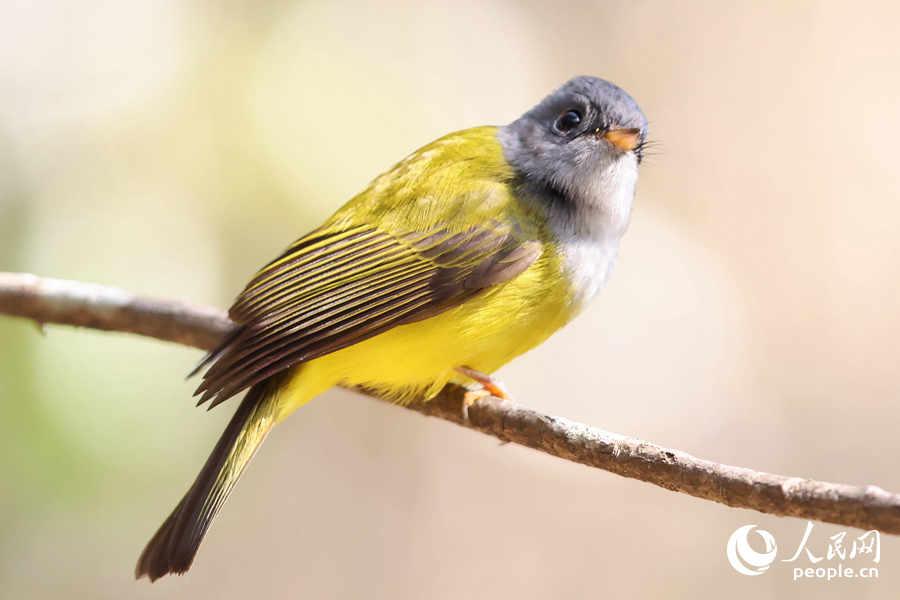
{"x":467,"y":253}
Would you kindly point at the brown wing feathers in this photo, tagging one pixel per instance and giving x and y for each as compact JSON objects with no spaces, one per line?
{"x":331,"y":290}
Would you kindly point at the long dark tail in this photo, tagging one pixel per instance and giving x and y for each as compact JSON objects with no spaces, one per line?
{"x":174,"y":546}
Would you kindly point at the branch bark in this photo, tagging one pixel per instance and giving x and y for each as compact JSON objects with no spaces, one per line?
{"x":63,"y":302}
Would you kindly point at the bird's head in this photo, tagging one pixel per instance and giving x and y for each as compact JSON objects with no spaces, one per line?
{"x":583,"y":142}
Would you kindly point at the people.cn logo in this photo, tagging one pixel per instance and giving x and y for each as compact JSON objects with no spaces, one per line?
{"x":739,"y":551}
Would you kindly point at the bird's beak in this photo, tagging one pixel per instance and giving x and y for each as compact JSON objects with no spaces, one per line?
{"x":625,"y":139}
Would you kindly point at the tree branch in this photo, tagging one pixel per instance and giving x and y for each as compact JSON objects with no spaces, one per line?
{"x":111,"y":309}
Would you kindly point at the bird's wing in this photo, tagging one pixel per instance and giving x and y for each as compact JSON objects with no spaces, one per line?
{"x":341,"y":285}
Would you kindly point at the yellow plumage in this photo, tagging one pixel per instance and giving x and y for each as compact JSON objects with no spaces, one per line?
{"x":417,"y":360}
{"x":464,"y":255}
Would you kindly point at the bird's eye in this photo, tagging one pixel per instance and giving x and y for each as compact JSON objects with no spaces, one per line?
{"x":569,"y":121}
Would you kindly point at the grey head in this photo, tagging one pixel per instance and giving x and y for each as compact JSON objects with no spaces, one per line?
{"x":577,"y":152}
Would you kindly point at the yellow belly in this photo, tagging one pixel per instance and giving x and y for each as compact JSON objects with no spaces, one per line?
{"x":418,"y":359}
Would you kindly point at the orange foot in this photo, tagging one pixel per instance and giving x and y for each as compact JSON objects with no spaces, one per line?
{"x":490,"y":386}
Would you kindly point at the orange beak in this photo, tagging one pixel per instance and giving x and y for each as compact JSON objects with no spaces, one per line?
{"x":625,"y":139}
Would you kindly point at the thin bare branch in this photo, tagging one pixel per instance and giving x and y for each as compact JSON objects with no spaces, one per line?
{"x":64,"y":302}
{"x":111,"y":309}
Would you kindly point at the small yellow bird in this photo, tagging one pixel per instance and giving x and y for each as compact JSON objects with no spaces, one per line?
{"x":464,"y":255}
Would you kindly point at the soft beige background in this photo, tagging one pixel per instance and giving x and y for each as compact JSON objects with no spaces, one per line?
{"x":171,"y":148}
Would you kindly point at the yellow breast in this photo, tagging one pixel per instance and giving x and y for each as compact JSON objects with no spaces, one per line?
{"x":418,"y":359}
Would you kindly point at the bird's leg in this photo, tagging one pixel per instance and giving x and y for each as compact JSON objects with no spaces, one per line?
{"x":490,"y":386}
{"x":472,"y":395}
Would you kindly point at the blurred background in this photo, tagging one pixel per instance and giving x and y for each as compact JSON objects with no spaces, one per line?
{"x":172,"y":147}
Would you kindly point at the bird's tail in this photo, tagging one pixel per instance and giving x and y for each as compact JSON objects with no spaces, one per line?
{"x":174,"y":546}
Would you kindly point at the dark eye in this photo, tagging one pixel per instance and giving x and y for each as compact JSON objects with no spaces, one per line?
{"x":569,"y":121}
